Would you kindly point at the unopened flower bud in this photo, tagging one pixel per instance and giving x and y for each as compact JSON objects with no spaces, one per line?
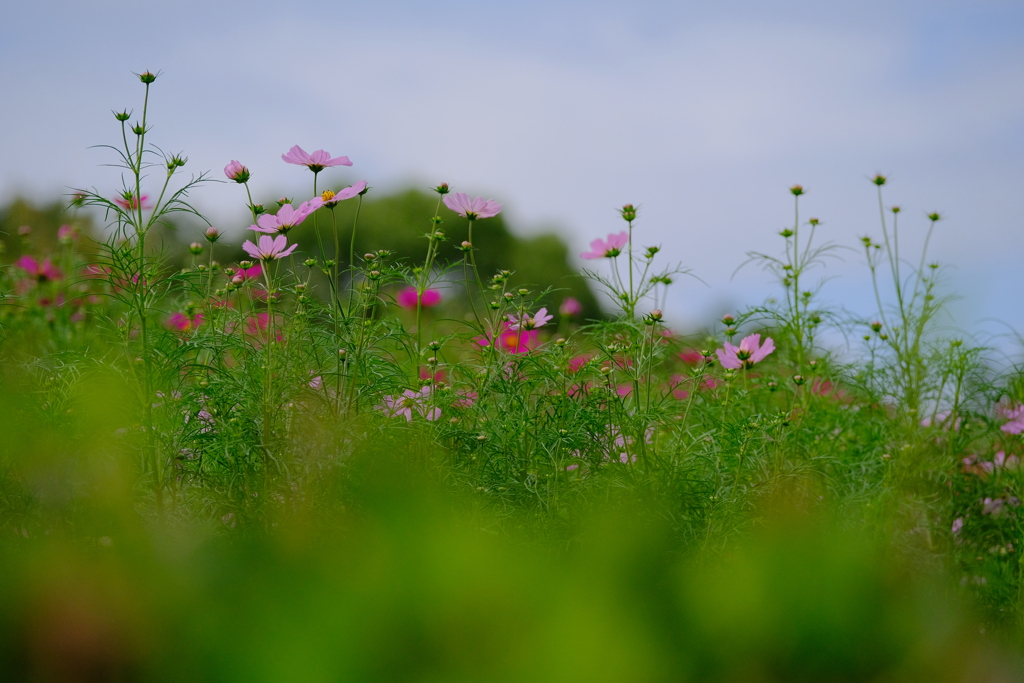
{"x":815,"y":222}
{"x":466,"y":246}
{"x":282,"y":201}
{"x":373,"y":274}
{"x":301,"y":287}
{"x":798,"y":380}
{"x":342,"y":353}
{"x":237,"y":172}
{"x":309,"y":263}
{"x":728,"y":319}
{"x":656,"y":314}
{"x":196,"y":248}
{"x":122,"y":116}
{"x":138,"y":130}
{"x":730,"y":332}
{"x":434,"y":345}
{"x":797,"y":190}
{"x":494,"y":305}
{"x":628,"y":213}
{"x":442,"y":188}
{"x":146,"y":77}
{"x":933,"y":217}
{"x":212,"y":234}
{"x":258,"y":209}
{"x":772,"y":386}
{"x":237,"y":280}
{"x":876,"y":326}
{"x":879,"y":179}
{"x":895,"y":209}
{"x":432,"y":361}
{"x":524,"y":292}
{"x":509,"y":296}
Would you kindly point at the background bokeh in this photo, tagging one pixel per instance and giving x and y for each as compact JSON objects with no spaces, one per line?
{"x":701,"y":113}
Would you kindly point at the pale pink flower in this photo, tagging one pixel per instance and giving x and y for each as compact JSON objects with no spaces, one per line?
{"x":41,"y":271}
{"x":129,"y":201}
{"x":609,"y":248}
{"x":237,"y":172}
{"x":691,"y":357}
{"x":330,"y":198}
{"x":570,"y":307}
{"x":466,"y":399}
{"x":287,"y":217}
{"x":315,"y":162}
{"x":942,"y":420}
{"x":269,"y":248}
{"x":67,"y":233}
{"x":958,"y":524}
{"x":1015,"y":415}
{"x":407,"y":298}
{"x":409,"y":400}
{"x":529,"y":322}
{"x":749,"y":352}
{"x":460,"y":203}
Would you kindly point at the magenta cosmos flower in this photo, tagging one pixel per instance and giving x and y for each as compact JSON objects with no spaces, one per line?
{"x":460,"y":203}
{"x":269,"y":248}
{"x":513,"y":341}
{"x":183,"y":323}
{"x":40,"y":271}
{"x":609,"y":248}
{"x":409,"y":400}
{"x":330,"y":198}
{"x":287,"y":217}
{"x":237,"y":172}
{"x":749,"y":352}
{"x":529,"y":322}
{"x":407,"y":298}
{"x":315,"y":162}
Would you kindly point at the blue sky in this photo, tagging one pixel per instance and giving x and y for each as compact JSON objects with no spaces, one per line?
{"x":701,"y":113}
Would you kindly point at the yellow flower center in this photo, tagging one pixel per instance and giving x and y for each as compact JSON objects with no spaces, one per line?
{"x":327,"y":195}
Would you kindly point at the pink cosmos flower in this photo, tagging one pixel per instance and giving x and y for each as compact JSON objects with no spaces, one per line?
{"x":237,"y":172}
{"x":958,"y":524}
{"x":570,"y":307}
{"x":40,"y":271}
{"x":128,"y":201}
{"x":1015,"y":415}
{"x":513,"y":341}
{"x":942,"y":420}
{"x":315,"y":162}
{"x":183,"y":323}
{"x":251,"y":273}
{"x":460,"y":203}
{"x":331,"y":198}
{"x":749,"y":352}
{"x":407,"y":298}
{"x":691,"y":357}
{"x":409,"y":400}
{"x":529,"y":322}
{"x":466,"y":399}
{"x":269,"y":248}
{"x":287,"y":217}
{"x":578,"y":362}
{"x":609,"y":248}
{"x":67,"y":233}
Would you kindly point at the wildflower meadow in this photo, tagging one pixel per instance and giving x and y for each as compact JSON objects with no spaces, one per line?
{"x":291,"y":450}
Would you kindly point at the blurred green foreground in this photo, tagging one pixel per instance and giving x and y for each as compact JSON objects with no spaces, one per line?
{"x":378,"y":570}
